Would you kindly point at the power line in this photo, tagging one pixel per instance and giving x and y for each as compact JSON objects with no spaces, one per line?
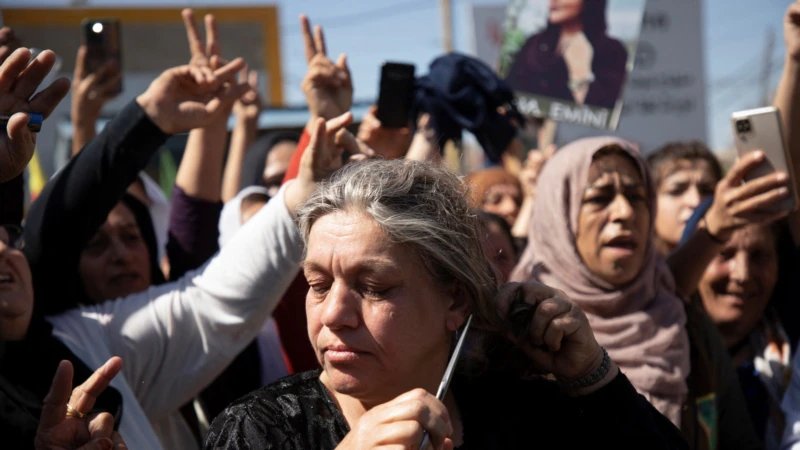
{"x":374,"y":14}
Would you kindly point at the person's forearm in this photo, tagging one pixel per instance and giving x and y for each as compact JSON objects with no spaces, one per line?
{"x":523,"y":223}
{"x":689,"y":261}
{"x":200,"y":172}
{"x":244,"y":133}
{"x":787,"y":100}
{"x":193,"y":232}
{"x":84,"y":129}
{"x":74,"y":204}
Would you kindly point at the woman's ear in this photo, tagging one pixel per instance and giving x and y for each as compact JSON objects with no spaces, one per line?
{"x":458,"y":307}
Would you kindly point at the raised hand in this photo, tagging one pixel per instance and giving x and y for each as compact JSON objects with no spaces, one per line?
{"x":248,"y":106}
{"x":791,"y":31}
{"x":558,"y":338}
{"x":8,"y":43}
{"x":529,"y":175}
{"x":203,"y":55}
{"x":207,"y":55}
{"x":389,"y":143}
{"x":189,"y":97}
{"x":737,"y":205}
{"x":329,"y":140}
{"x":65,"y":422}
{"x":18,"y":81}
{"x":90,"y":91}
{"x":327,"y":85}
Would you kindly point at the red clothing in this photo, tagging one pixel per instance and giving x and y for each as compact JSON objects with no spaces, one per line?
{"x":290,"y":314}
{"x":294,"y":163}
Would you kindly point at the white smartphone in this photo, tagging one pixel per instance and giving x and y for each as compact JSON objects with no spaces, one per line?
{"x":760,"y":129}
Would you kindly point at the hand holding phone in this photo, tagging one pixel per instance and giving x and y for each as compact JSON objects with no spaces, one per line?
{"x":760,"y":187}
{"x":103,"y":57}
{"x":760,"y":129}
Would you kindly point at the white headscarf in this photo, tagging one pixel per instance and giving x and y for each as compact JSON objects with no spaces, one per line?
{"x":159,"y":208}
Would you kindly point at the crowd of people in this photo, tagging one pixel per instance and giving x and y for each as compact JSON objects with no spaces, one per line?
{"x":306,"y":291}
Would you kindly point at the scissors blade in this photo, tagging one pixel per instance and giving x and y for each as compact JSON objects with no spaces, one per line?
{"x":451,"y":365}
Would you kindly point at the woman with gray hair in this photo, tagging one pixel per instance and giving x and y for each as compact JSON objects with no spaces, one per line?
{"x":395,"y":267}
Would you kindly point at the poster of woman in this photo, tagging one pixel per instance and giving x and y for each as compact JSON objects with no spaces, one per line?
{"x":568,"y":60}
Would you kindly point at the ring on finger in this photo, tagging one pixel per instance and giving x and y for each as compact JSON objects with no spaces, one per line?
{"x":72,"y":412}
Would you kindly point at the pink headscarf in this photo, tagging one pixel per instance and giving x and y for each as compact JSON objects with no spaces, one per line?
{"x":641,"y":325}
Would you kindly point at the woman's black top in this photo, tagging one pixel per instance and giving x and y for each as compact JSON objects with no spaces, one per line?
{"x":497,"y":412}
{"x":538,"y":69}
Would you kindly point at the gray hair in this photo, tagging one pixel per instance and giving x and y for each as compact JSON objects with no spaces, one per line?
{"x":418,"y":204}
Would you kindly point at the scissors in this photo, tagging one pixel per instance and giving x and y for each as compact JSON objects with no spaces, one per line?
{"x":448,"y":374}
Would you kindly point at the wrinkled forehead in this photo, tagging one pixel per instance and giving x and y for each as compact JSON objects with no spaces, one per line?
{"x":612,"y":161}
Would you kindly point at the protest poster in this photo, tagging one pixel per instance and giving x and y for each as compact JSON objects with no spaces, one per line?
{"x":665,"y":97}
{"x":569,"y":60}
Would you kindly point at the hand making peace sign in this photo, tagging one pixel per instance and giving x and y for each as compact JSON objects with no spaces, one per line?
{"x":327,"y":85}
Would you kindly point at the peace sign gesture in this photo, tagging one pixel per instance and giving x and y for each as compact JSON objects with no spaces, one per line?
{"x":65,"y":421}
{"x":18,"y":81}
{"x":203,"y":55}
{"x":327,"y":85}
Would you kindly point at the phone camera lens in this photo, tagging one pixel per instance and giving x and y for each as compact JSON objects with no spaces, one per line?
{"x":743,"y":126}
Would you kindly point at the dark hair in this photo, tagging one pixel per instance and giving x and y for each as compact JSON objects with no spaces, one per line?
{"x":256,"y":158}
{"x":593,"y":17}
{"x":660,"y":160}
{"x":487,"y":218}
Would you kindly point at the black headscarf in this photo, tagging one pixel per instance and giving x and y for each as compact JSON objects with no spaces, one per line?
{"x":256,"y":158}
{"x":461,"y":92}
{"x":74,"y":294}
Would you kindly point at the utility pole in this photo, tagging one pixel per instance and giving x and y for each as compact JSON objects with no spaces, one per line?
{"x":451,"y":152}
{"x":447,"y":26}
{"x":766,"y":67}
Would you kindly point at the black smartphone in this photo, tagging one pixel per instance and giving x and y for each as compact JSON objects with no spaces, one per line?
{"x":396,"y":89}
{"x":102,"y":40}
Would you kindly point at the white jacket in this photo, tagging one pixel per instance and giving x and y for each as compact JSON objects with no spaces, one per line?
{"x":174,"y":339}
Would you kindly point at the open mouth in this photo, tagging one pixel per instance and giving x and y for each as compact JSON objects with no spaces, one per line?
{"x":623,"y":243}
{"x":6,"y":279}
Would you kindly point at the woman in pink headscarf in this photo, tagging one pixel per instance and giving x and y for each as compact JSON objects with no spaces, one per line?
{"x":592,"y":237}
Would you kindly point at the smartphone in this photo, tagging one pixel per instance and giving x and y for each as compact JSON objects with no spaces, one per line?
{"x":760,"y":129}
{"x":394,"y":98}
{"x":102,"y":40}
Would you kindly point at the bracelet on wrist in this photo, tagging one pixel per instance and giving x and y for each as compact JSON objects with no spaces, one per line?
{"x":591,"y":379}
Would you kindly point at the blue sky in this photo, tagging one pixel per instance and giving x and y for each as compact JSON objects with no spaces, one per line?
{"x":409,"y":30}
